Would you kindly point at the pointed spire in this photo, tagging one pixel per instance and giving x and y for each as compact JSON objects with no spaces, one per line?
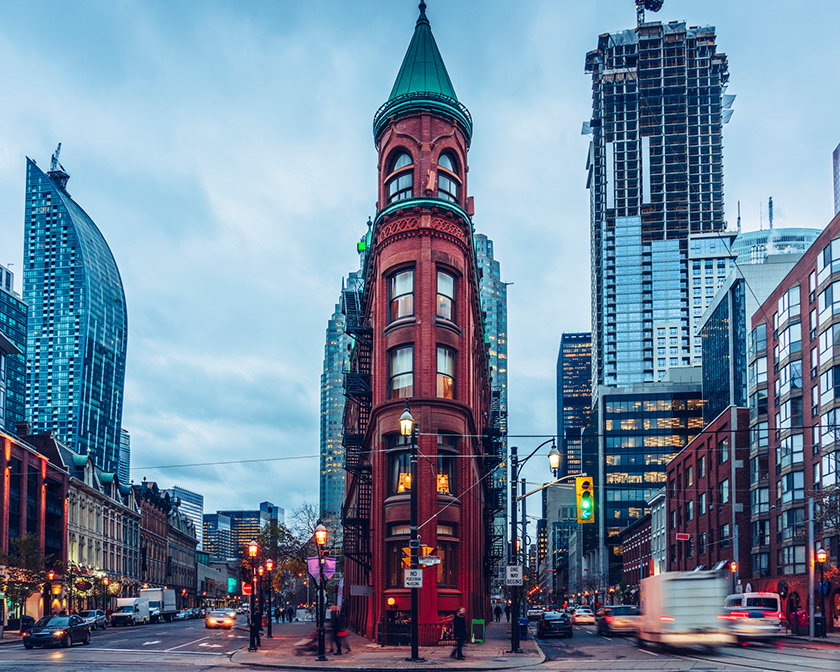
{"x":423,"y":80}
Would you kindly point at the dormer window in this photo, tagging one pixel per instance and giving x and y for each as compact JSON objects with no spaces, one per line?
{"x":400,"y":181}
{"x":448,"y":180}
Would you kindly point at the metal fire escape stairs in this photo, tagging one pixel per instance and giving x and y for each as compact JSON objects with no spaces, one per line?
{"x":358,"y":391}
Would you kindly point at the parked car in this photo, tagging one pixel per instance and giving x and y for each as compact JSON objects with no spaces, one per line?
{"x":57,"y":631}
{"x":534,"y":613}
{"x":583,"y":615}
{"x":218,"y":619}
{"x":95,"y":618}
{"x":754,"y":615}
{"x":617,"y":619}
{"x":182,"y":615}
{"x":553,"y":623}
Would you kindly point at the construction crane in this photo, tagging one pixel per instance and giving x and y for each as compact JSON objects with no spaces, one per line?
{"x":57,"y":172}
{"x":650,"y":5}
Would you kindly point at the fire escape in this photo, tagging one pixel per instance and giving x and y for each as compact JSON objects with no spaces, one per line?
{"x":494,"y":456}
{"x":357,"y":390}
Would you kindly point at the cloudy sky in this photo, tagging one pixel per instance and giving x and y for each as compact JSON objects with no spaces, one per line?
{"x":224,"y":149}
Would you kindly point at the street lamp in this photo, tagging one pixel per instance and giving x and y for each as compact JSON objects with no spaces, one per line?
{"x":515,"y":465}
{"x":261,"y":571}
{"x":253,"y":549}
{"x":408,"y":428}
{"x":48,"y":590}
{"x":554,"y":459}
{"x":269,"y":565}
{"x":321,"y":540}
{"x":822,"y":556}
{"x":105,"y":582}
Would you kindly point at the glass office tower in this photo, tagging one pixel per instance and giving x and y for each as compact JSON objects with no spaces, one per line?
{"x":78,"y":324}
{"x":574,"y":397}
{"x":13,"y":316}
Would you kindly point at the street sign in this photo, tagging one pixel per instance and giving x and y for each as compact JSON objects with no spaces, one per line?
{"x":513,"y":575}
{"x":683,"y":536}
{"x":413,"y":578}
{"x":429,"y":560}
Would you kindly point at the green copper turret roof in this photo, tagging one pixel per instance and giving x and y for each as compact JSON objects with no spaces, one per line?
{"x":423,"y":82}
{"x":422,"y":68}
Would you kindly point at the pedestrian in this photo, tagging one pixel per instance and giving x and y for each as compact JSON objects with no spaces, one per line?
{"x":290,"y":613}
{"x":342,"y":633}
{"x":254,"y":630}
{"x":333,"y":631}
{"x":497,"y":612}
{"x":276,"y":614}
{"x":459,"y":632}
{"x":507,"y":612}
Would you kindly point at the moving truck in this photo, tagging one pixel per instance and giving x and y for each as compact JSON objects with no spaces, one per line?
{"x":131,"y":611}
{"x":161,"y":603}
{"x":684,"y":609}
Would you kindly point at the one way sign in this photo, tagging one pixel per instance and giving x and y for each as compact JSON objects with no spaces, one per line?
{"x":513,"y":576}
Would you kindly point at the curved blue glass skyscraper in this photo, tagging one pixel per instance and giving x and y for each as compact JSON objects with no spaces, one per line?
{"x":78,"y":325}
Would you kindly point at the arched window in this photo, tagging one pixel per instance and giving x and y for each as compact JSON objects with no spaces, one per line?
{"x":448,"y":180}
{"x":400,"y":181}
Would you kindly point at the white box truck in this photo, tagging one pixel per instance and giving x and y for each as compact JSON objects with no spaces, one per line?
{"x":161,"y":603}
{"x":684,"y":609}
{"x":131,"y":611}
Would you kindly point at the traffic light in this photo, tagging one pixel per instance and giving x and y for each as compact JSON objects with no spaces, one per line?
{"x":585,"y":501}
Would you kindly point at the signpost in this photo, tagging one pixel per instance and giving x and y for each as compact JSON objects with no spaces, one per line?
{"x":513,"y":575}
{"x":413,"y":578}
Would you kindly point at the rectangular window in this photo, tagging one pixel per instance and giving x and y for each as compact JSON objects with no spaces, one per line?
{"x":723,"y":451}
{"x":724,"y":491}
{"x":399,"y":469}
{"x":689,"y":477}
{"x":445,"y":296}
{"x":702,"y":503}
{"x":445,"y":373}
{"x":446,"y":474}
{"x":724,"y":536}
{"x":689,"y":511}
{"x":401,"y":364}
{"x":401,"y":295}
{"x":701,"y":467}
{"x":447,"y":576}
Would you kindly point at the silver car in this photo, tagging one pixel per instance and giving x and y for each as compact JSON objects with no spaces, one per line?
{"x":95,"y":618}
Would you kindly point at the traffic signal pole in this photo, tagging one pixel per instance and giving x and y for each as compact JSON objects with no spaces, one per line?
{"x":513,"y":555}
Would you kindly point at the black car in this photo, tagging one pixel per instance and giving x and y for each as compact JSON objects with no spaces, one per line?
{"x":554,"y":623}
{"x":57,"y":631}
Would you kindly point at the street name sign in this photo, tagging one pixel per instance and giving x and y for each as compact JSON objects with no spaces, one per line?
{"x":413,"y":578}
{"x":513,"y":575}
{"x":429,"y":560}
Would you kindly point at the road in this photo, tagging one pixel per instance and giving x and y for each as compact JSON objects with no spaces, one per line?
{"x":162,"y":646}
{"x":589,"y":651}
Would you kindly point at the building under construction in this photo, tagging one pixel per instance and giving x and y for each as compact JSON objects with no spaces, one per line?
{"x":655,"y":175}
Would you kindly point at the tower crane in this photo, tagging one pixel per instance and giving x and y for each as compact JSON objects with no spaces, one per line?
{"x":650,"y":5}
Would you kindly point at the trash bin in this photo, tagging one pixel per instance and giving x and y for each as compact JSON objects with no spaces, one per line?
{"x":819,"y":625}
{"x":523,"y":627}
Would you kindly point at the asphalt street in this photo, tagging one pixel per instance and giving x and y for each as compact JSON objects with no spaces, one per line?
{"x":591,"y":652}
{"x":162,"y":646}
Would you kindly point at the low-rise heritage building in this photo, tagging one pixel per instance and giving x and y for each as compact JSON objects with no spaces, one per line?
{"x":180,"y":559}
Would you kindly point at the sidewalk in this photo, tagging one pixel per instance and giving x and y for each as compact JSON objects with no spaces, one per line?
{"x":365,"y":655}
{"x":12,"y":637}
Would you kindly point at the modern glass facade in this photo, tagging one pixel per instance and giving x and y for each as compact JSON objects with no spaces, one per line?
{"x":643,"y":427}
{"x":655,"y":175}
{"x":192,"y":506}
{"x":574,"y":397}
{"x":124,"y":469}
{"x":725,"y":355}
{"x":78,"y":324}
{"x":216,"y":536}
{"x":835,"y":160}
{"x":13,"y":318}
{"x":752,"y":247}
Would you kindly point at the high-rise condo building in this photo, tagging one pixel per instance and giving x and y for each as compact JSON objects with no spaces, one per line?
{"x":655,"y":175}
{"x":124,"y":468}
{"x":836,"y":161}
{"x":78,"y":324}
{"x":574,"y":397}
{"x":13,"y":316}
{"x":192,"y":506}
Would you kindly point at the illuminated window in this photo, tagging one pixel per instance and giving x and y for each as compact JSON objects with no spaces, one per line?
{"x":445,"y":373}
{"x":448,"y":181}
{"x":445,"y":474}
{"x":401,"y":295}
{"x":400,"y":181}
{"x":400,"y":471}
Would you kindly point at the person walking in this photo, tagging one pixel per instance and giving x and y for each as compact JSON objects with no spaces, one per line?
{"x":507,"y":612}
{"x":290,"y":613}
{"x":342,"y":633}
{"x":333,"y":630}
{"x":497,"y":612}
{"x":459,"y":632}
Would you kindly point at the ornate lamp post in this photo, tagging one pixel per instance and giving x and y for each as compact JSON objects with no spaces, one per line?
{"x":105,"y":582}
{"x":822,"y":556}
{"x":269,"y":565}
{"x":321,"y":541}
{"x":408,"y":428}
{"x":260,"y":583}
{"x":253,"y":549}
{"x":47,"y":591}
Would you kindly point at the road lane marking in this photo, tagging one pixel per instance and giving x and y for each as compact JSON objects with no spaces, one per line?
{"x":651,"y":653}
{"x":214,"y":646}
{"x":155,"y":641}
{"x":155,"y":652}
{"x":195,"y":641}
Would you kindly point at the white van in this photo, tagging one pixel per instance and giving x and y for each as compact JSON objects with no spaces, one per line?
{"x":755,"y":615}
{"x":131,"y":611}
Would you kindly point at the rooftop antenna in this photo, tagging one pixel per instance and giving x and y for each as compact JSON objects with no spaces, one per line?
{"x":739,"y":216}
{"x":770,"y":211}
{"x":760,"y":216}
{"x":57,"y":173}
{"x":650,"y":5}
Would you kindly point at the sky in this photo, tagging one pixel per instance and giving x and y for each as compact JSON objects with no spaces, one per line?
{"x":225,"y":151}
